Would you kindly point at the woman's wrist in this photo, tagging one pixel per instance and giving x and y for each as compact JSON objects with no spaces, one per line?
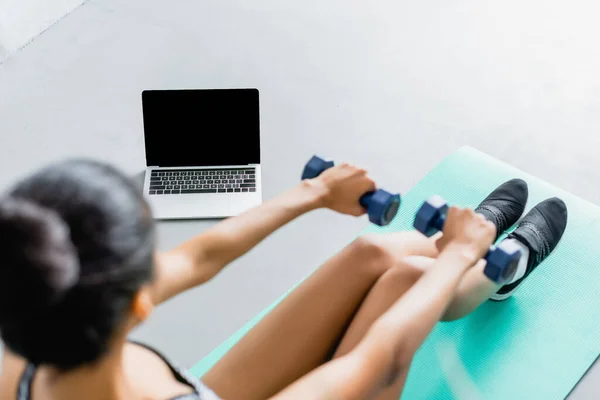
{"x":463,"y":255}
{"x":316,"y":193}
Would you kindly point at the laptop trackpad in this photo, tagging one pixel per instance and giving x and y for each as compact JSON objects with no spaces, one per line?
{"x":190,"y":206}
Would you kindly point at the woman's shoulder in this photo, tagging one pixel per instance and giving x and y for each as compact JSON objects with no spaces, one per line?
{"x":160,"y":376}
{"x":200,"y":391}
{"x":13,"y":367}
{"x":151,"y":362}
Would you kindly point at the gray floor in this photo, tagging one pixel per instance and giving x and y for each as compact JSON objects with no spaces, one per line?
{"x":393,"y":86}
{"x":23,"y":20}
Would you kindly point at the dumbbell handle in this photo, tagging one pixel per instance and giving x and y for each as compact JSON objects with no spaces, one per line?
{"x":438,"y":224}
{"x":381,"y":205}
{"x":498,"y":275}
{"x":364,"y":200}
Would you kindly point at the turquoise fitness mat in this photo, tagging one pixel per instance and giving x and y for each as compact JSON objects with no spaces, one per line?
{"x":536,"y":345}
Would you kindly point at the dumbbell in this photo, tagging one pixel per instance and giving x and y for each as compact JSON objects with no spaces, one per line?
{"x":502,"y":260}
{"x":381,"y":205}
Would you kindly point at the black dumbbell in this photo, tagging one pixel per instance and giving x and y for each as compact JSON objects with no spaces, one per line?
{"x":381,"y":205}
{"x":502,"y":260}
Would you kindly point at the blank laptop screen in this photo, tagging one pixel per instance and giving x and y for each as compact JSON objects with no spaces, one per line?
{"x":204,"y":127}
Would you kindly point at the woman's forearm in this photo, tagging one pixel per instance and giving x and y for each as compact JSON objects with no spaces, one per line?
{"x":235,"y":236}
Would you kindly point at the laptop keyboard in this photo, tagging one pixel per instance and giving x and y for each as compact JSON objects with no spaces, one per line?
{"x":203,"y":181}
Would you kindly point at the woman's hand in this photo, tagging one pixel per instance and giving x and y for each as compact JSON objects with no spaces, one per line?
{"x":344,"y":185}
{"x":469,"y":231}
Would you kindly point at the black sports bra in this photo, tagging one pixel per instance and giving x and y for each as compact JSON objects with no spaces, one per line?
{"x":201,"y":391}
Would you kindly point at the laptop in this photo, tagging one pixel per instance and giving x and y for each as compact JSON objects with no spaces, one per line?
{"x":202,"y":152}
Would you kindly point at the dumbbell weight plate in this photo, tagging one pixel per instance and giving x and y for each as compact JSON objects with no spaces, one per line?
{"x":429,"y":219}
{"x":385,"y":207}
{"x":502,"y":262}
{"x":315,"y":166}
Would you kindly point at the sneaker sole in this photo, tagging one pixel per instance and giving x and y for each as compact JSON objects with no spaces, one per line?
{"x":503,"y":296}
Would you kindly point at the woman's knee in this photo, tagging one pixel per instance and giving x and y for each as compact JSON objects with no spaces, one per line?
{"x":401,"y":244}
{"x":380,"y":252}
{"x":402,"y":275}
{"x":371,"y":253}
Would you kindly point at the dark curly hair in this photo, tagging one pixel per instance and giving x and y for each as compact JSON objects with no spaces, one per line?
{"x":76,"y":240}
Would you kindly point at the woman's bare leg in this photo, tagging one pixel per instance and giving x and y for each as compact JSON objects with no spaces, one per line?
{"x":474,"y":289}
{"x":303,"y":330}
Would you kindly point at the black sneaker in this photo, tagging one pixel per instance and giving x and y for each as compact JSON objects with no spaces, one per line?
{"x":505,"y":205}
{"x":540,"y":230}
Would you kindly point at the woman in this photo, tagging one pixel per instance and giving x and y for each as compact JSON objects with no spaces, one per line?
{"x":80,"y":272}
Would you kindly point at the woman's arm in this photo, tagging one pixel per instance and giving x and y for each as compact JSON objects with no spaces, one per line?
{"x":10,"y":373}
{"x":201,"y":258}
{"x":388,"y":347}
